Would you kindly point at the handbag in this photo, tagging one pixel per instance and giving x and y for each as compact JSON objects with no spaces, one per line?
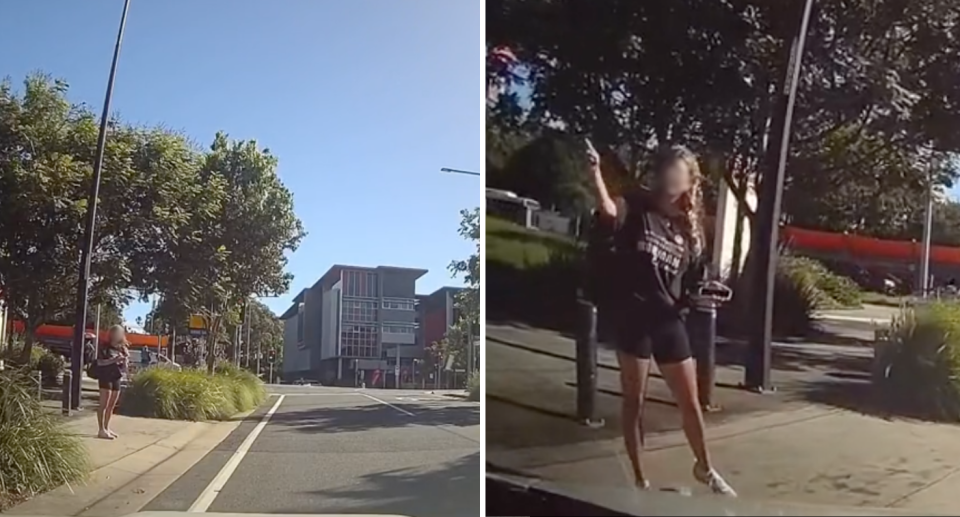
{"x":93,"y":370}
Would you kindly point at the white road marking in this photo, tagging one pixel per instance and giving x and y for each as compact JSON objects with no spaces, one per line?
{"x":343,"y":394}
{"x":384,"y":402}
{"x":210,"y":493}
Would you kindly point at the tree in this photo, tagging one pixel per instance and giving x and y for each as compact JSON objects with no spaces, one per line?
{"x":236,"y":246}
{"x":47,"y":147}
{"x":638,"y":73}
{"x":468,"y":300}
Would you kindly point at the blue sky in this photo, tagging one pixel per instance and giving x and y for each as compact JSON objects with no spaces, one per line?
{"x":362,"y":101}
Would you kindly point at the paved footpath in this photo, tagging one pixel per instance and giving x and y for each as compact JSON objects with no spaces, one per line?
{"x":149,"y":455}
{"x":812,"y":442}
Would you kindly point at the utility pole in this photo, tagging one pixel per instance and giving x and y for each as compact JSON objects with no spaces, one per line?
{"x":927,"y":231}
{"x":757,"y":371}
{"x":80,"y":323}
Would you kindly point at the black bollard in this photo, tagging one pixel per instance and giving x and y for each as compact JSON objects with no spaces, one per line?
{"x":587,"y":364}
{"x":67,"y":392}
{"x":702,"y":329}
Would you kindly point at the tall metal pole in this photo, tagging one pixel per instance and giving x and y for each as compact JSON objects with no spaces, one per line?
{"x":76,"y":357}
{"x":927,"y":231}
{"x":757,"y":371}
{"x":247,"y":340}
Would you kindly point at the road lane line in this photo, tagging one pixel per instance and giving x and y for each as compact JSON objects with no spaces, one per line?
{"x":384,"y":402}
{"x":210,"y":493}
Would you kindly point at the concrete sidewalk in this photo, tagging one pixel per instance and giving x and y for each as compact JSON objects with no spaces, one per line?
{"x":807,"y":455}
{"x":813,"y":441}
{"x":130,"y":471}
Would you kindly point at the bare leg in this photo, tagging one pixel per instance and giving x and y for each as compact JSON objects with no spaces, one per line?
{"x":102,"y":414}
{"x":108,"y":413}
{"x":633,"y":383}
{"x":682,"y":379}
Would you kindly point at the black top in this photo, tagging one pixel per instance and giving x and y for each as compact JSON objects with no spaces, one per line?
{"x":108,"y":371}
{"x":656,"y":258}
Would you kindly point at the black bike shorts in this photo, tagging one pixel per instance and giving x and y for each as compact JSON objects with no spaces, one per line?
{"x":643,"y":336}
{"x":112,"y":384}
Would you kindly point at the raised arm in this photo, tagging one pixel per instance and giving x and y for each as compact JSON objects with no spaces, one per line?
{"x":605,"y":204}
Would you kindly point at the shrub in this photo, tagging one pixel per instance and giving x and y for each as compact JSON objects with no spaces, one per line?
{"x":51,"y":366}
{"x":11,"y":355}
{"x":473,"y":387}
{"x":795,"y":301}
{"x":193,"y":394}
{"x":917,"y":364}
{"x":834,"y":290}
{"x":37,"y":452}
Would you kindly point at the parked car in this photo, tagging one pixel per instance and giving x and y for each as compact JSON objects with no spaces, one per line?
{"x":141,"y":358}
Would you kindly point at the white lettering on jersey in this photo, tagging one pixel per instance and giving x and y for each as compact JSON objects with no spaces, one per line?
{"x":666,"y":254}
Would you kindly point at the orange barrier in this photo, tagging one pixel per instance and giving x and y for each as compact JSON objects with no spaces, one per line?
{"x":857,"y":246}
{"x":65,"y":333}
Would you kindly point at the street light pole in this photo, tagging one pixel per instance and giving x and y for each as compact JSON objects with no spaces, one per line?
{"x":757,"y":367}
{"x":458,"y":171}
{"x":80,"y":324}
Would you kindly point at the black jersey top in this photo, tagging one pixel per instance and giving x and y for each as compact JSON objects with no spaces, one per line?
{"x":657,"y":263}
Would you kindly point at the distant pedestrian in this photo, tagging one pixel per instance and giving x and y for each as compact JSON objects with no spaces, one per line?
{"x":658,"y":241}
{"x":112,"y":359}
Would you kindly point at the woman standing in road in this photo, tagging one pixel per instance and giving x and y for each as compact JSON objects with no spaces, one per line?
{"x":111,"y":361}
{"x":658,"y":241}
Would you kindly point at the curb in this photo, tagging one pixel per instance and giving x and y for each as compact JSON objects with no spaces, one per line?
{"x":108,"y":480}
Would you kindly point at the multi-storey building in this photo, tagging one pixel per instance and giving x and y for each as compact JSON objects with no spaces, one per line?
{"x":354,"y":325}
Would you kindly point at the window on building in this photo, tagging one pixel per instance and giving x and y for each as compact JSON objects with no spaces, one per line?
{"x":359,"y":311}
{"x":399,"y":328}
{"x":399,"y":304}
{"x":359,"y":341}
{"x":360,"y":284}
{"x":300,"y":324}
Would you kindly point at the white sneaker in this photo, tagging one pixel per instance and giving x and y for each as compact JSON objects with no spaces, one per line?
{"x":713,"y":480}
{"x":643,"y":485}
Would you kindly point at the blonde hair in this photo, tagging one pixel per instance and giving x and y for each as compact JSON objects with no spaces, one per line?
{"x":114,"y":330}
{"x":691,"y":201}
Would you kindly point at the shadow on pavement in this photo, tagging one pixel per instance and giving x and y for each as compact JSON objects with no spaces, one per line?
{"x":379,"y":416}
{"x":452,"y":490}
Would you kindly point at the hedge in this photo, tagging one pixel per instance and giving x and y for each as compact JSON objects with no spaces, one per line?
{"x":192,"y":394}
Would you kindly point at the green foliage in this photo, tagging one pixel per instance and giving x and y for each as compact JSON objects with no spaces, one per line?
{"x":877,"y":91}
{"x":517,"y":247}
{"x":50,"y":365}
{"x":37,"y":452}
{"x":193,"y":394}
{"x":473,"y":387}
{"x":833,"y":290}
{"x":468,"y":300}
{"x":533,"y":276}
{"x":203,"y":229}
{"x":917,"y":363}
{"x":796,"y":299}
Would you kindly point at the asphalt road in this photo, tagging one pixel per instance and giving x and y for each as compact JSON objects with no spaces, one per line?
{"x":329,"y":450}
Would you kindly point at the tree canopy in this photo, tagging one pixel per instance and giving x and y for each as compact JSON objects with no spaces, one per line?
{"x":200,"y":228}
{"x":878,"y":97}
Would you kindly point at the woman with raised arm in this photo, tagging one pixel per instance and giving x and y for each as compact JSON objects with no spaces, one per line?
{"x":658,"y":241}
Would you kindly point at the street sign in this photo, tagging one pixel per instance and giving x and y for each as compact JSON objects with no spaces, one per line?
{"x":197,"y":325}
{"x":197,"y":322}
